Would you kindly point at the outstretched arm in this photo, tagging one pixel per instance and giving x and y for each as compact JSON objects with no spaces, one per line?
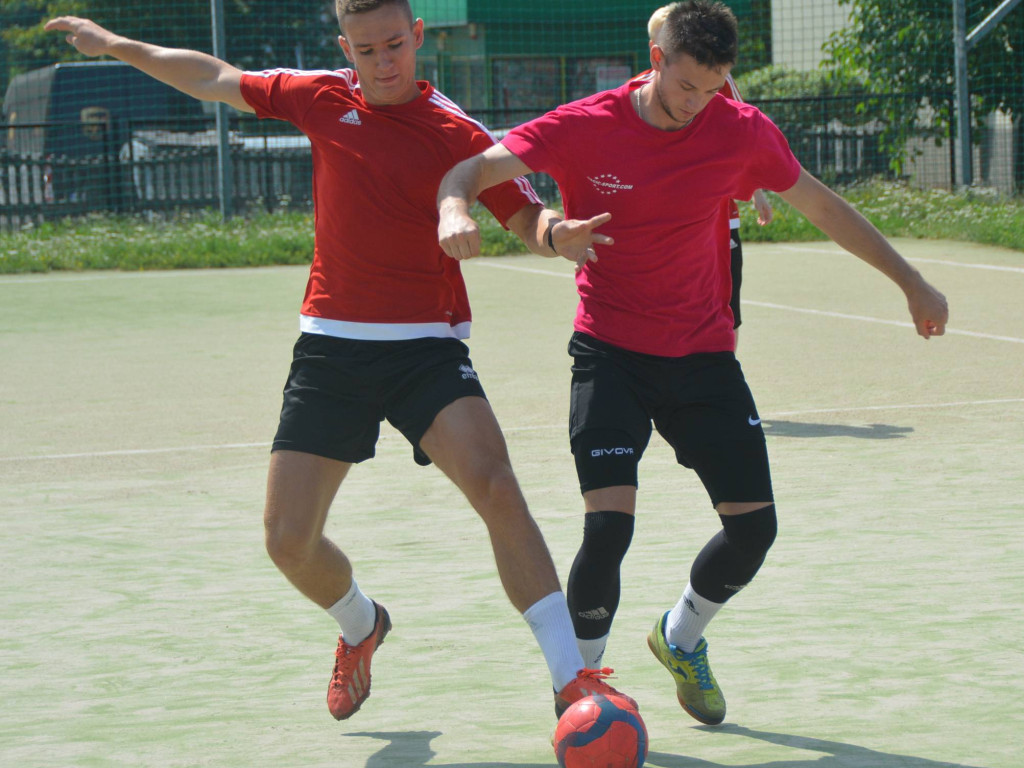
{"x":197,"y":74}
{"x":542,"y":230}
{"x":840,"y":221}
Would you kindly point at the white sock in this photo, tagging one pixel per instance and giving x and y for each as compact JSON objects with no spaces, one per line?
{"x":688,"y":620}
{"x":355,"y":614}
{"x":549,"y":620}
{"x":592,"y":651}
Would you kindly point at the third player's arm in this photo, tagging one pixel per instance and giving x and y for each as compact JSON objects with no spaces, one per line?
{"x":192,"y":72}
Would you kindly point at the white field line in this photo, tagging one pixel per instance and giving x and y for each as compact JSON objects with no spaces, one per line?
{"x":840,"y":252}
{"x":767,"y":417}
{"x":58,"y":277}
{"x":863,"y":319}
{"x":894,"y":407}
{"x":135,"y":452}
{"x":768,"y":305}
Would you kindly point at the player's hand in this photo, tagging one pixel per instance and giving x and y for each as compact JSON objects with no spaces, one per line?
{"x":765,"y":213}
{"x":86,"y":36}
{"x":574,"y":239}
{"x":458,"y":234}
{"x":928,"y":309}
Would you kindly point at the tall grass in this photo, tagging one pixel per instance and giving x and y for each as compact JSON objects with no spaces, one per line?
{"x":898,"y":211}
{"x":203,"y":240}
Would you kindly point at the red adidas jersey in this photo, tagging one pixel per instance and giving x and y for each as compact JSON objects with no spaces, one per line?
{"x":663,"y":288}
{"x":378,"y":271}
{"x":731,"y":91}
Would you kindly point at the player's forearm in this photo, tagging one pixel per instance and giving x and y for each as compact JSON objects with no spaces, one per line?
{"x":197,"y":74}
{"x":841,"y":221}
{"x":533,"y":225}
{"x":460,"y":187}
{"x":850,"y":230}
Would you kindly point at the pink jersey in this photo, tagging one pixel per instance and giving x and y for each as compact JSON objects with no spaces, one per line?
{"x":731,"y":91}
{"x":663,"y":288}
{"x":378,"y":271}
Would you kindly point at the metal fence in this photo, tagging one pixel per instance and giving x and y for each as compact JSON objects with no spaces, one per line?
{"x":154,"y":170}
{"x":507,"y":63}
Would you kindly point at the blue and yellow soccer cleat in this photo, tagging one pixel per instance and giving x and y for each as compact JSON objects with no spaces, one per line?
{"x":696,"y":687}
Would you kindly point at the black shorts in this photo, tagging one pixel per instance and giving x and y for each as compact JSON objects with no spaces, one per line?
{"x":699,"y":403}
{"x":736,"y":267}
{"x":340,"y":390}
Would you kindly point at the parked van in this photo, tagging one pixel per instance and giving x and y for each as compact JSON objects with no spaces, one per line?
{"x":75,"y":116}
{"x":87,"y":103}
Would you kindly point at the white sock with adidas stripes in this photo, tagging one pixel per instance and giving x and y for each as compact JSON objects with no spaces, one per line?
{"x":355,"y":615}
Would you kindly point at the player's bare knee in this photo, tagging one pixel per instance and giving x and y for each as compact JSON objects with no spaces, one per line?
{"x":500,"y":495}
{"x":289,"y":545}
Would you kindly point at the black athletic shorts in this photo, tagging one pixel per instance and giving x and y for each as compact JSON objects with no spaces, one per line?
{"x":699,"y":403}
{"x":736,"y":267}
{"x":339,"y":390}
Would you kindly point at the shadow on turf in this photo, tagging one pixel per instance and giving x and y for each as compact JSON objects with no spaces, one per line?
{"x":774,"y":428}
{"x":834,"y":754}
{"x":411,"y":749}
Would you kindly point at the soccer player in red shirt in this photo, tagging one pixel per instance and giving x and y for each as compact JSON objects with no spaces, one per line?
{"x":382,"y":322}
{"x":654,"y":163}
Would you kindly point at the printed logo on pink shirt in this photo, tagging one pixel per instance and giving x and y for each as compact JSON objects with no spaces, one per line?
{"x":608,"y":183}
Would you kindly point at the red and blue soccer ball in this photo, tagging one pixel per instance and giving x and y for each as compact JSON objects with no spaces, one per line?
{"x":601,"y":732}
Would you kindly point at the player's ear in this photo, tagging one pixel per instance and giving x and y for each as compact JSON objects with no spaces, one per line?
{"x":344,"y":46}
{"x":417,"y":33}
{"x":657,"y":57}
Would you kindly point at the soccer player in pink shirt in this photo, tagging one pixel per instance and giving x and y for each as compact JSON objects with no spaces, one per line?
{"x":761,"y":203}
{"x":654,"y":164}
{"x":382,"y":323}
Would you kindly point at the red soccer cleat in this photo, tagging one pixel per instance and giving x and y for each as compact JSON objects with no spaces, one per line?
{"x":587,"y":683}
{"x":350,"y":683}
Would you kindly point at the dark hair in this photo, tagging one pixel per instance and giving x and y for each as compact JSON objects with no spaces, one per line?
{"x":346,"y":7}
{"x":703,"y":29}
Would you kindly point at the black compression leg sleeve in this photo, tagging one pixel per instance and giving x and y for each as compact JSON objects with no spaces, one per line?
{"x":593,"y":589}
{"x":729,"y":561}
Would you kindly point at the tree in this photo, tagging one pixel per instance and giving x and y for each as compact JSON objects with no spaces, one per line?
{"x":903,"y":52}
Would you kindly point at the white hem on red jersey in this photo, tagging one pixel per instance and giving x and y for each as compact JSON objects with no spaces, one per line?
{"x":344,"y":329}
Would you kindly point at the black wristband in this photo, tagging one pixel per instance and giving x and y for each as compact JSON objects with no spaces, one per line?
{"x":548,"y":237}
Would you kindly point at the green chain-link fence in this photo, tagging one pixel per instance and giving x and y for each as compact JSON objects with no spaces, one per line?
{"x":862,"y":88}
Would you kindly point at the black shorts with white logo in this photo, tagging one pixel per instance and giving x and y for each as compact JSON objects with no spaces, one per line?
{"x":340,"y":390}
{"x":699,"y":403}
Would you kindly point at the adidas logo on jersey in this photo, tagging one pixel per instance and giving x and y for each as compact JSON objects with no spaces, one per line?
{"x":351,"y":117}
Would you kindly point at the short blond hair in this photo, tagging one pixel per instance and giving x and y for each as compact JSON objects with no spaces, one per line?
{"x":657,"y":21}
